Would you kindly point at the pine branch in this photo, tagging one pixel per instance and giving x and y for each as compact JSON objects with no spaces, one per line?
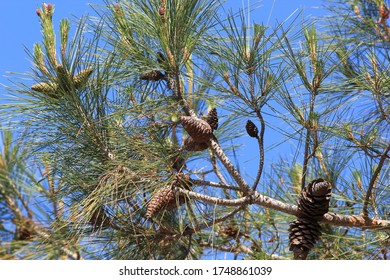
{"x":214,"y":184}
{"x":217,"y":150}
{"x":268,"y":202}
{"x":373,"y":180}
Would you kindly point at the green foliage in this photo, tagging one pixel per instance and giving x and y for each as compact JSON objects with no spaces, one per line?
{"x":102,"y":114}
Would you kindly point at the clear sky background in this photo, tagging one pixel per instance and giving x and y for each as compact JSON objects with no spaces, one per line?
{"x":20,"y":28}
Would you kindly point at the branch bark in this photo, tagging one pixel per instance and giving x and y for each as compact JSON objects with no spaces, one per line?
{"x":268,"y":202}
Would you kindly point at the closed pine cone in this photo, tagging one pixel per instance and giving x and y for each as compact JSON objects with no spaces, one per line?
{"x":212,"y":119}
{"x":153,"y":75}
{"x":166,"y":199}
{"x":252,"y":129}
{"x":190,"y":145}
{"x":198,"y":129}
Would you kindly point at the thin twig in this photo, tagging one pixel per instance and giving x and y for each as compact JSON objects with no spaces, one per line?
{"x":373,"y":180}
{"x":260,"y":141}
{"x":214,"y":184}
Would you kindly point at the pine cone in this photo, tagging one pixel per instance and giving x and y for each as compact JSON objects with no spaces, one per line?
{"x":190,"y":145}
{"x":171,"y":84}
{"x":231,"y":231}
{"x":212,"y":119}
{"x":45,"y":87}
{"x":166,"y":199}
{"x":24,"y":230}
{"x":82,"y":77}
{"x":63,"y":78}
{"x":161,"y":59}
{"x":252,"y":129}
{"x":304,"y":233}
{"x":313,"y":201}
{"x":198,"y":129}
{"x":153,"y":75}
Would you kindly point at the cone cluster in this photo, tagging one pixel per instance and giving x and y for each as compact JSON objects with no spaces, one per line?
{"x":313,"y":203}
{"x":166,"y":199}
{"x":200,"y":130}
{"x":63,"y":82}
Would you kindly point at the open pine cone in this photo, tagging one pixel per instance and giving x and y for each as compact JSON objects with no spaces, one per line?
{"x":313,"y":201}
{"x":212,"y":119}
{"x":304,"y":233}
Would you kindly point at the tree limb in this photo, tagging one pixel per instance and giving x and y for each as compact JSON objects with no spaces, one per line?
{"x":268,"y":202}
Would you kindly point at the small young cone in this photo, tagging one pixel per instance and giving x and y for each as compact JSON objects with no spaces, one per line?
{"x":45,"y":87}
{"x":212,"y":119}
{"x":198,"y":129}
{"x":154,"y":75}
{"x":63,"y":77}
{"x":252,"y":129}
{"x":190,"y":145}
{"x":304,"y":233}
{"x":81,"y":78}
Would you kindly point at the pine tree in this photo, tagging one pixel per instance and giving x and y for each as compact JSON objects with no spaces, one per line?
{"x":134,"y":124}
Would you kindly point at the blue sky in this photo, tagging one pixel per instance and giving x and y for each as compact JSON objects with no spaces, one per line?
{"x":20,"y":29}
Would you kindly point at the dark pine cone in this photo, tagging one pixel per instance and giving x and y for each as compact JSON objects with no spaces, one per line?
{"x":190,"y":145}
{"x":313,"y":201}
{"x":153,"y":75}
{"x":304,"y":233}
{"x":252,"y":129}
{"x":212,"y":119}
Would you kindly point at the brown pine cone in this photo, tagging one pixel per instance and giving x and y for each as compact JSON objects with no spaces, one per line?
{"x":190,"y":145}
{"x":252,"y":129}
{"x":313,"y":200}
{"x":153,"y":75}
{"x":212,"y":119}
{"x":304,"y":233}
{"x":198,"y":129}
{"x":166,"y":199}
